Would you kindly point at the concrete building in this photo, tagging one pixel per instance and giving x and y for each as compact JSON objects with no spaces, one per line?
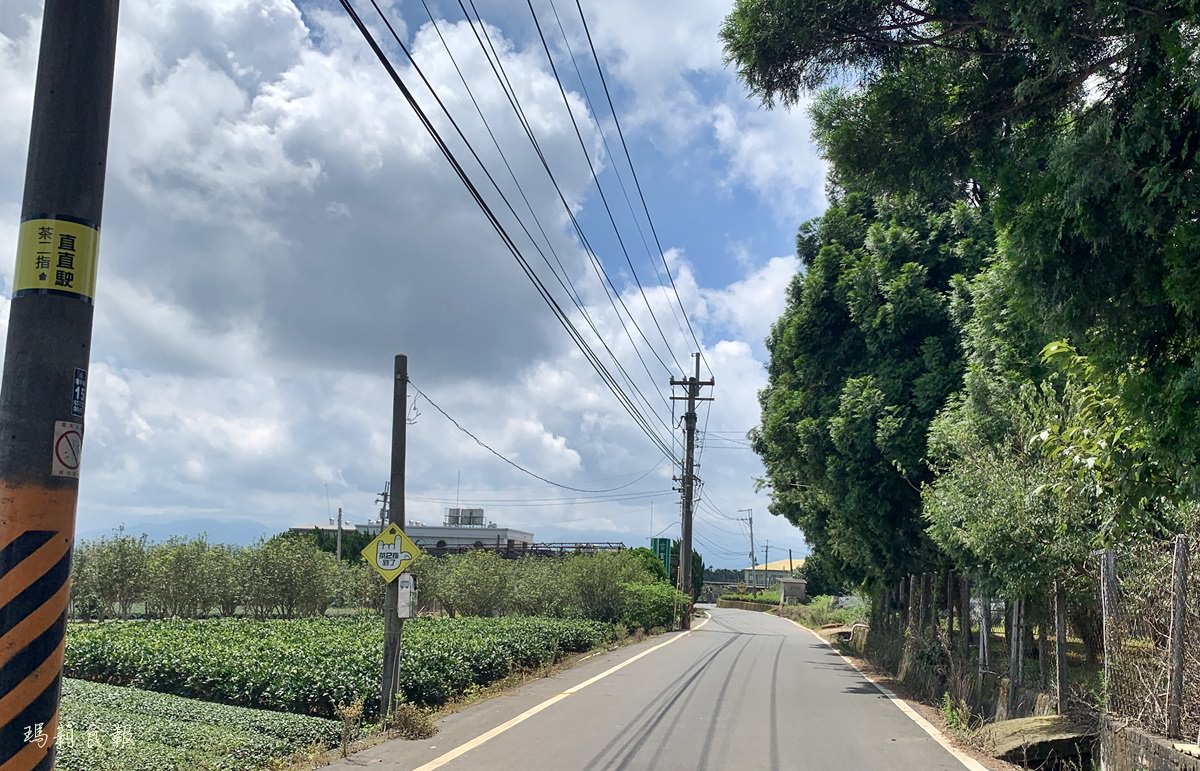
{"x":768,"y":575}
{"x":461,"y":529}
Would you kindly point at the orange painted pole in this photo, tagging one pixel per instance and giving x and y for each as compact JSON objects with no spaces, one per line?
{"x":46,"y":366}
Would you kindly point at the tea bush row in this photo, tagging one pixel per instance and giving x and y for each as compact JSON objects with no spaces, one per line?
{"x":308,"y":666}
{"x":112,"y":728}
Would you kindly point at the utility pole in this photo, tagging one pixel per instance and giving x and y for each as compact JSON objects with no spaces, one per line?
{"x":383,"y":501}
{"x":791,"y":565}
{"x":693,"y":385}
{"x":393,"y":625}
{"x":753,"y":564}
{"x":766,"y":561}
{"x":339,"y":537}
{"x":46,"y":365}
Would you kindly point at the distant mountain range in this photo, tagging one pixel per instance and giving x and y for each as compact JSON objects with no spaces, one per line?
{"x":240,"y":532}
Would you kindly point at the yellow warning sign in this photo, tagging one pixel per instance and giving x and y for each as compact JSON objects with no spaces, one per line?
{"x":56,"y":256}
{"x":391,"y":552}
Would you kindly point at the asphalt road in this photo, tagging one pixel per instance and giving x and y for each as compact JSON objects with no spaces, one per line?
{"x":745,"y":691}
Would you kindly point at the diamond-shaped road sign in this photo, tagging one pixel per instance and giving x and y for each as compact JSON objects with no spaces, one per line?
{"x":391,"y":552}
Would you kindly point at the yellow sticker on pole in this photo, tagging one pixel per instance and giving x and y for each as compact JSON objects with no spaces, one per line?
{"x":56,"y":255}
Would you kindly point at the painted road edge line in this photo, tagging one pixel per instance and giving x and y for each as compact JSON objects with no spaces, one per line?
{"x":487,"y":736}
{"x":902,"y":705}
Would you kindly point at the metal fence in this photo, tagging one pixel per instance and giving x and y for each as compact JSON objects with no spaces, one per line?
{"x":1151,"y":607}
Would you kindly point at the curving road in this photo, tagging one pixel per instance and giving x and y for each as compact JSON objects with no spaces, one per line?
{"x":743,"y":691}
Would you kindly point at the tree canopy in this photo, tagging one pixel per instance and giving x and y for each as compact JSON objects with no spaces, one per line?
{"x":989,"y":357}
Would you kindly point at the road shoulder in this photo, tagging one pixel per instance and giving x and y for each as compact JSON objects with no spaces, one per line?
{"x":928,"y":716}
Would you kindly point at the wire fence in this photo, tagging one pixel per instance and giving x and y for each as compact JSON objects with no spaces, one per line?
{"x":1151,"y":607}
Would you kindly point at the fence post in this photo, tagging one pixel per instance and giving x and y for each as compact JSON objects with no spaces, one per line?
{"x":1108,"y":606}
{"x":950,"y":608}
{"x":984,"y":631}
{"x":1060,"y":645}
{"x":964,"y":615}
{"x":927,"y":613}
{"x":1178,"y":636}
{"x":1014,"y":640}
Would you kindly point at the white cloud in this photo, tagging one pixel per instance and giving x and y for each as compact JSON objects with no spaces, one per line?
{"x":768,"y":151}
{"x":753,"y":303}
{"x":278,"y":226}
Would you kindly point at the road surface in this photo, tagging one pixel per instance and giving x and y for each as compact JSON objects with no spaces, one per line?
{"x":744,"y":691}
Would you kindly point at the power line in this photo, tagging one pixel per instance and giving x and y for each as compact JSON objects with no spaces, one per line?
{"x":546,"y":502}
{"x":603,"y":198}
{"x":572,"y":292}
{"x":547,"y":297}
{"x":612,"y":157}
{"x":513,"y":463}
{"x":606,"y":283}
{"x":637,"y":183}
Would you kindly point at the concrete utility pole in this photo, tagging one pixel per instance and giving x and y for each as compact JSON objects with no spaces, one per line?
{"x":383,"y":501}
{"x":753,"y":564}
{"x":766,"y":561}
{"x":46,"y":365}
{"x":339,"y":537}
{"x":393,"y":625}
{"x":693,"y":385}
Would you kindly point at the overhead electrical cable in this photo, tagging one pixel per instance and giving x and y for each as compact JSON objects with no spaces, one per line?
{"x":511,"y":462}
{"x":637,"y":183}
{"x":569,"y":285}
{"x":560,"y":315}
{"x":609,"y":286}
{"x":600,"y":188}
{"x":612,"y":157}
{"x":630,"y":498}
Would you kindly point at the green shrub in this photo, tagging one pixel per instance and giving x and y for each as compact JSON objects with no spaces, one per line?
{"x":770,"y":596}
{"x":820,"y":612}
{"x":645,"y":606}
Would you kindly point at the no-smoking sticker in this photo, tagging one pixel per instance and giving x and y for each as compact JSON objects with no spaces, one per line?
{"x":68,"y":446}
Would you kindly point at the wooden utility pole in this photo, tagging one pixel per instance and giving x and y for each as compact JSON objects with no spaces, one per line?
{"x":393,"y":625}
{"x":693,"y":385}
{"x":46,"y":367}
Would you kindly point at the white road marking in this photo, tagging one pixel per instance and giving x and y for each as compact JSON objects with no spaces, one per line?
{"x":487,"y":736}
{"x":902,"y":705}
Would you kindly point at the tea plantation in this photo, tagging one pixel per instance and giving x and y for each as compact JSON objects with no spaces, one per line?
{"x":308,"y":666}
{"x":125,"y":729}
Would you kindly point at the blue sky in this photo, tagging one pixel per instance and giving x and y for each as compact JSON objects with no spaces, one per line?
{"x":316,"y":231}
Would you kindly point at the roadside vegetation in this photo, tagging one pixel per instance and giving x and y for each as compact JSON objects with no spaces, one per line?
{"x":187,"y":654}
{"x":987,"y":366}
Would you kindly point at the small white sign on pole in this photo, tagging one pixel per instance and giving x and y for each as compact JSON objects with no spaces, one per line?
{"x":406,"y":598}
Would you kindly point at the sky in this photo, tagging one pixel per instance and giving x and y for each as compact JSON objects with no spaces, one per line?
{"x":278,"y":225}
